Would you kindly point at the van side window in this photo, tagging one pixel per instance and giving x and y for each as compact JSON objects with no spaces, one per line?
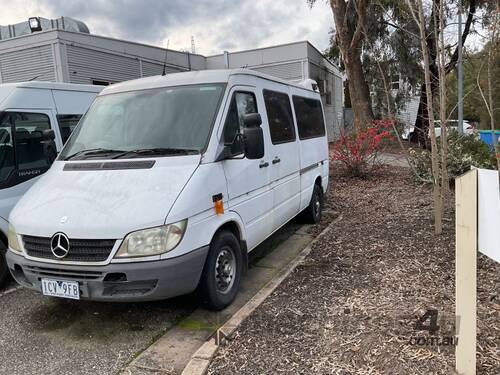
{"x":7,"y":159}
{"x":279,"y":116}
{"x":309,"y":117}
{"x":242,"y":103}
{"x":31,"y":150}
{"x":67,"y":124}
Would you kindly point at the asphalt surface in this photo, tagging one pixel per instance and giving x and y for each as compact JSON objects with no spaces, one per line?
{"x":55,"y":336}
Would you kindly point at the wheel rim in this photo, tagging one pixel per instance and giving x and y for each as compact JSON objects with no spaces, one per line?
{"x":317,"y":205}
{"x":225,"y":269}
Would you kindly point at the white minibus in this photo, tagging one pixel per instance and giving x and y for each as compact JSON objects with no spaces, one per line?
{"x":167,"y":183}
{"x":36,"y":118}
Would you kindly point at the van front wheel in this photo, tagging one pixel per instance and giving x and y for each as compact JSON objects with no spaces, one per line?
{"x":4,"y":272}
{"x":221,"y":275}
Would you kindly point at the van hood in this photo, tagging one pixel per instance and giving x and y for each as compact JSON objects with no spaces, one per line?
{"x":99,"y":203}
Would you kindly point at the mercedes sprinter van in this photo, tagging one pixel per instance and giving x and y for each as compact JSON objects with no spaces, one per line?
{"x":36,"y":118}
{"x":167,"y":183}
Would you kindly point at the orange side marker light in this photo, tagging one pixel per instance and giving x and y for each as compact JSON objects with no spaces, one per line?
{"x":218,"y":204}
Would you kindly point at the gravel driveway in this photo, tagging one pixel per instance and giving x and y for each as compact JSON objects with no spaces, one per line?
{"x":351,"y":308}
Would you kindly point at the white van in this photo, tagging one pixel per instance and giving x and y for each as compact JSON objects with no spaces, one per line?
{"x":167,"y":183}
{"x":36,"y":118}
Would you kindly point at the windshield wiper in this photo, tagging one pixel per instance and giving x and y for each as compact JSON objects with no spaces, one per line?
{"x":157,"y":151}
{"x":93,"y":151}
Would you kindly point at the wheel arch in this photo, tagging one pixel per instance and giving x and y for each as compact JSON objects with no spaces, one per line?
{"x":235,"y":226}
{"x":318,"y":181}
{"x":3,"y":239}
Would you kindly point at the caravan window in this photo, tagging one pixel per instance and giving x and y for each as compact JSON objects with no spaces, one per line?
{"x":309,"y":117}
{"x":279,"y":116}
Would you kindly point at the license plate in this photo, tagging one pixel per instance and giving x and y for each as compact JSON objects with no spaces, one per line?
{"x":60,"y":288}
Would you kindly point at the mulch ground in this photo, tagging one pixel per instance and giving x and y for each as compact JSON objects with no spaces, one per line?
{"x":351,"y":308}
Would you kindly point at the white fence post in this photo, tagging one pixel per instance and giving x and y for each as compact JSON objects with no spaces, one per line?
{"x":466,"y":200}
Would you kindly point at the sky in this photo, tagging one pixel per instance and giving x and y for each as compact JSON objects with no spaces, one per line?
{"x":216,"y":25}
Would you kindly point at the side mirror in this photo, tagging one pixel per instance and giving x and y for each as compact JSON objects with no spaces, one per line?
{"x":48,"y":135}
{"x":252,"y":136}
{"x":251,"y":120}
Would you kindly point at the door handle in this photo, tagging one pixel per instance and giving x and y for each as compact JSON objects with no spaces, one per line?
{"x":276,"y":160}
{"x":263,"y":164}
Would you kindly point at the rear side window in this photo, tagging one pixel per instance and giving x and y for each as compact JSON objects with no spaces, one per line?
{"x":279,"y":116}
{"x":66,"y":125}
{"x":309,"y":117}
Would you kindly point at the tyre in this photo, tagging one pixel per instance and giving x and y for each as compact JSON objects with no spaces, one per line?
{"x":312,"y":213}
{"x":220,"y":279}
{"x":4,"y":272}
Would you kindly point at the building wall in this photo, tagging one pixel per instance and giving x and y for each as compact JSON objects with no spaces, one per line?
{"x":87,"y":64}
{"x":65,"y":56}
{"x":331,"y":88}
{"x":28,"y":64}
{"x":291,"y":71}
{"x":408,"y":114}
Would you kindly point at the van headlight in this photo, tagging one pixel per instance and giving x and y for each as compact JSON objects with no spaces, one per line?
{"x":12,"y":239}
{"x":152,"y":241}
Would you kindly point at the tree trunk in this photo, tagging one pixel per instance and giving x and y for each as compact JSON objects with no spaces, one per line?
{"x":418,"y":14}
{"x":493,"y":42}
{"x":422,"y":121}
{"x":358,"y":91}
{"x":421,"y":131}
{"x":350,"y":25}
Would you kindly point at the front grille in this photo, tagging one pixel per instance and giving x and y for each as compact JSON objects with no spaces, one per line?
{"x":80,"y":250}
{"x":64,"y":274}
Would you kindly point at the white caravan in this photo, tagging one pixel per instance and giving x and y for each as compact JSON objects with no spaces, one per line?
{"x":36,"y":118}
{"x":167,"y":183}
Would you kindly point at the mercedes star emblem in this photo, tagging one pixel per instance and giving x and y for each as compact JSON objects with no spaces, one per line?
{"x":59,"y":245}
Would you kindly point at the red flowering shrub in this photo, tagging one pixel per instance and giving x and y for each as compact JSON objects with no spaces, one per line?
{"x":358,"y":151}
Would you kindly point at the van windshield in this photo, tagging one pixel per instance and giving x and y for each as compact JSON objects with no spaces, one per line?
{"x":166,"y":121}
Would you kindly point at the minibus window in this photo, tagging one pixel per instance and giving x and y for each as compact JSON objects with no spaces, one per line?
{"x":175,"y":118}
{"x":22,"y":146}
{"x":242,"y":103}
{"x":279,"y":115}
{"x":309,"y":117}
{"x":7,"y":161}
{"x":67,"y":123}
{"x":32,"y":152}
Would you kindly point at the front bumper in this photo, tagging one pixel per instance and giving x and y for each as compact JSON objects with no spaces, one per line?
{"x":120,"y":282}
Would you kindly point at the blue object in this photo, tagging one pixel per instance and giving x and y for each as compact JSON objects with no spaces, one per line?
{"x":487,"y":137}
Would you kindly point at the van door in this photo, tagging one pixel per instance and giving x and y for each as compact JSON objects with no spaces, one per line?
{"x":248,"y":181}
{"x":24,"y":154}
{"x":284,"y":155}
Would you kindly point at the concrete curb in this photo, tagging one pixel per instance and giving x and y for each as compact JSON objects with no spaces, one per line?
{"x":9,"y":291}
{"x":200,"y":360}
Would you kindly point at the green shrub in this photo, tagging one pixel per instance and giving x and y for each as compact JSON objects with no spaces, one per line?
{"x":464,"y":152}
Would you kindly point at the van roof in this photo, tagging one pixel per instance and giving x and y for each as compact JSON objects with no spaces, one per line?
{"x":189,"y":78}
{"x":53,"y":86}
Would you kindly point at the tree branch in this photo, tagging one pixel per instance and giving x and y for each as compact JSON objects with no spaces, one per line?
{"x":360,"y":7}
{"x":470,"y":16}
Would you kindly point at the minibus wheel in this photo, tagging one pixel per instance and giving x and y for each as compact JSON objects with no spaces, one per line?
{"x":312,"y":214}
{"x":4,"y":272}
{"x":221,"y":275}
